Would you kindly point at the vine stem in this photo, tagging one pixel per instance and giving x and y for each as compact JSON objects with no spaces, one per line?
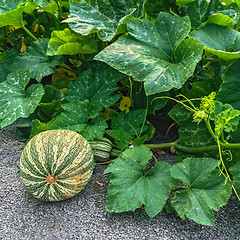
{"x":26,"y":30}
{"x":29,"y":33}
{"x":237,"y":25}
{"x":182,"y":148}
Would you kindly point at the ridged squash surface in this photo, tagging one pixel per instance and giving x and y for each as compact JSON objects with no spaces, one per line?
{"x":56,"y":165}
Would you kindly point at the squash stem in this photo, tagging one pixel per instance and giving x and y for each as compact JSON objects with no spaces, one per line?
{"x":29,"y":33}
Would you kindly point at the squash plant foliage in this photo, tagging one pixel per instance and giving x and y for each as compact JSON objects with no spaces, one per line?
{"x":101,"y":68}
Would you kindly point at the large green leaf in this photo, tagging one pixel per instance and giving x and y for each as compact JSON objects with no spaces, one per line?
{"x":11,"y":12}
{"x":229,"y":90}
{"x":78,"y":117}
{"x":130,"y":187}
{"x":155,"y":52}
{"x":65,"y":42}
{"x":201,"y":11}
{"x":15,"y":100}
{"x":126,"y":126}
{"x":98,"y":86}
{"x":205,"y":189}
{"x":34,"y":59}
{"x":215,"y":41}
{"x":105,"y":16}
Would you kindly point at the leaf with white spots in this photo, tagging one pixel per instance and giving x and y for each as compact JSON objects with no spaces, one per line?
{"x":15,"y":100}
{"x":33,"y":59}
{"x":131,"y":186}
{"x":204,"y":189}
{"x":106,"y":17}
{"x":201,"y":12}
{"x":78,"y":116}
{"x":97,"y":86}
{"x":156,"y":53}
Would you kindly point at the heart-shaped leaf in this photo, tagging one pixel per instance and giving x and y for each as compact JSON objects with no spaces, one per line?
{"x":78,"y":117}
{"x":34,"y":59}
{"x":130,"y":187}
{"x":98,"y":86}
{"x":155,"y":52}
{"x":15,"y":100}
{"x":205,"y":190}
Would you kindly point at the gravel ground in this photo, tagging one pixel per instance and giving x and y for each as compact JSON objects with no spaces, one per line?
{"x":83,"y":217}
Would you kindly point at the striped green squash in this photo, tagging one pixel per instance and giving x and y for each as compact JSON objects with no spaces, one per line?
{"x":56,"y":165}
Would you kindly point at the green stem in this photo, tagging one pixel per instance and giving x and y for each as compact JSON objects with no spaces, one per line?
{"x":211,"y":131}
{"x":182,"y":148}
{"x":29,"y":33}
{"x":238,"y":25}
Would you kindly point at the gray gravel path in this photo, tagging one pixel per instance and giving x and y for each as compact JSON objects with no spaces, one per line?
{"x":83,"y":217}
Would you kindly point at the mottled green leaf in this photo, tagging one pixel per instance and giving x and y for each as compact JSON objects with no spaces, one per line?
{"x":215,"y":41}
{"x":201,"y":12}
{"x":205,"y":189}
{"x":126,"y":126}
{"x":229,"y":90}
{"x":155,"y":52}
{"x":105,"y":17}
{"x":15,"y":100}
{"x":34,"y":59}
{"x":130,"y":187}
{"x":77,"y":116}
{"x":65,"y":42}
{"x":98,"y":86}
